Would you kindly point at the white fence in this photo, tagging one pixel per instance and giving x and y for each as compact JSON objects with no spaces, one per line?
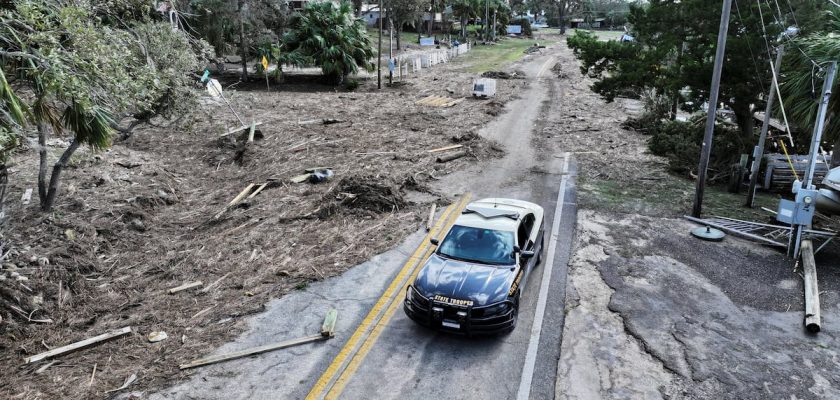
{"x":413,"y":63}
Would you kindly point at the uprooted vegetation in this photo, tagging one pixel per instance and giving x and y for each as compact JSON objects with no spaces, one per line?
{"x":155,"y":212}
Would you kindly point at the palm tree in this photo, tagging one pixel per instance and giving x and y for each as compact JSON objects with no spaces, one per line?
{"x":330,"y":37}
{"x":802,"y":80}
{"x":464,"y":10}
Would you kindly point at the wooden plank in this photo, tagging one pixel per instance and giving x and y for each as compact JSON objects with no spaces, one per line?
{"x":78,"y":345}
{"x":259,"y":189}
{"x":812,"y":293}
{"x":251,"y":132}
{"x":241,"y":195}
{"x":253,"y":351}
{"x":431,"y":217}
{"x":241,"y":128}
{"x":328,"y":327}
{"x":27,"y":196}
{"x":452,"y":156}
{"x":300,"y":178}
{"x":185,"y":286}
{"x":216,"y":282}
{"x":423,"y":100}
{"x":454,"y":102}
{"x":439,"y":149}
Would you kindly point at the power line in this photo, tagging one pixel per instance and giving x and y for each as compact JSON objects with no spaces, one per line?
{"x":749,"y":46}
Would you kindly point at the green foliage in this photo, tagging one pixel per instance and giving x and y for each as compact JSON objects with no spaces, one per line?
{"x":620,"y":68}
{"x":526,"y":26}
{"x":801,"y":82}
{"x":217,"y":21}
{"x":330,"y":37}
{"x":680,"y":142}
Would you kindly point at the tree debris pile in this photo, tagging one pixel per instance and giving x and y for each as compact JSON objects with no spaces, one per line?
{"x":156,"y":211}
{"x":371,"y":192}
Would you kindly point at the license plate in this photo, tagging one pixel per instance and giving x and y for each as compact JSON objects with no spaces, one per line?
{"x":449,"y":324}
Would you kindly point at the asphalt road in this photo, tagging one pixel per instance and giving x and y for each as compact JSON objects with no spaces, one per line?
{"x":378,"y":352}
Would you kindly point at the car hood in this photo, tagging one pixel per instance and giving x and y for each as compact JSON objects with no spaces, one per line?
{"x":483,"y":284}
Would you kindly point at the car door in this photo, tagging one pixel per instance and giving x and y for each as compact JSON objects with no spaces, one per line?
{"x":524,"y":239}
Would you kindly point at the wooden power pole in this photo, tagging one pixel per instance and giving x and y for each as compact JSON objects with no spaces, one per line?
{"x":379,"y":60}
{"x":713,"y":100}
{"x":758,"y":154}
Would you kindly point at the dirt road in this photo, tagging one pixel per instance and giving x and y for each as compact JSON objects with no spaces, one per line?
{"x":391,"y":357}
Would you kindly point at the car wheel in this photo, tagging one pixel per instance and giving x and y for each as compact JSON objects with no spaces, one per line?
{"x":515,"y":317}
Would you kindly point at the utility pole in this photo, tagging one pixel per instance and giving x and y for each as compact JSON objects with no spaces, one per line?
{"x":758,"y":153}
{"x":390,"y":51}
{"x":486,"y":19}
{"x":820,"y":125}
{"x":710,"y":120}
{"x":379,"y":60}
{"x":816,"y":139}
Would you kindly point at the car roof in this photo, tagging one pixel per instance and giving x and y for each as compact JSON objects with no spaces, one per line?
{"x":497,"y":214}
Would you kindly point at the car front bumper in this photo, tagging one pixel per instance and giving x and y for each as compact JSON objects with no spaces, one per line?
{"x":445,"y":317}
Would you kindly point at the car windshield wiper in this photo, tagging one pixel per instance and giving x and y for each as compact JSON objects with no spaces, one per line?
{"x":485,"y":262}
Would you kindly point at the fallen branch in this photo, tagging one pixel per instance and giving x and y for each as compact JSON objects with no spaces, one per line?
{"x":450,"y":157}
{"x":78,"y":345}
{"x":431,"y":217}
{"x":216,"y":282}
{"x":452,"y":147}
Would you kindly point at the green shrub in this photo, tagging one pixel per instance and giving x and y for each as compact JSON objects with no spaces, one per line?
{"x":680,"y":142}
{"x":526,"y":26}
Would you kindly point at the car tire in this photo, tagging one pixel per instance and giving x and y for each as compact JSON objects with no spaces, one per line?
{"x":515,"y":317}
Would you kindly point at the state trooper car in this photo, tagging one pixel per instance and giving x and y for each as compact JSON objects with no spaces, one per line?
{"x":473,"y":281}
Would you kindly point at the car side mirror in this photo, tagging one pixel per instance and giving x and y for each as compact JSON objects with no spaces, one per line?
{"x":526,"y":254}
{"x":434,"y":241}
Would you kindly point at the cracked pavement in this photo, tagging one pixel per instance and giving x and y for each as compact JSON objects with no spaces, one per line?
{"x":654,"y":313}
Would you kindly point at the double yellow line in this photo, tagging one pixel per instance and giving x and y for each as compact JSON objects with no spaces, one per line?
{"x":350,"y":357}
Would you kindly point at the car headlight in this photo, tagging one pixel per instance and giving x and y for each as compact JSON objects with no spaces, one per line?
{"x":497,"y":309}
{"x":414,"y":296}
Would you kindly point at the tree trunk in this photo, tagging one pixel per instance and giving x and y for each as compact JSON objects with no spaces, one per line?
{"x":432,"y":19}
{"x":357,"y":8}
{"x":56,"y":175}
{"x":42,"y":167}
{"x":464,"y":28}
{"x":242,"y":47}
{"x":4,"y":179}
{"x":746,"y":124}
{"x":835,"y":157}
{"x":562,"y":12}
{"x":399,"y":36}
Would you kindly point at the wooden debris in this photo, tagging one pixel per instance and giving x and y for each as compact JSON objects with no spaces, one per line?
{"x":216,"y":282}
{"x":431,"y":217}
{"x":452,"y":156}
{"x":128,"y":381}
{"x":318,"y":272}
{"x":202,"y":312}
{"x":452,"y":147}
{"x":325,"y":121}
{"x":157,"y":336}
{"x":259,"y":189}
{"x":252,"y":351}
{"x":812,"y":293}
{"x":327,"y":332}
{"x":300,"y":178}
{"x":439,"y":101}
{"x":92,"y":375}
{"x":27,"y":197}
{"x":251,"y":132}
{"x":78,"y":345}
{"x":328,"y":327}
{"x":241,"y":128}
{"x":44,"y":367}
{"x":185,"y":286}
{"x":236,"y":200}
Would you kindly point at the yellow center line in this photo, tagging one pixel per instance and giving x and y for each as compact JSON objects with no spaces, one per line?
{"x":423,"y":251}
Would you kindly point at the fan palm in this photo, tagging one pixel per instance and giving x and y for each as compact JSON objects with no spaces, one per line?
{"x":802,"y":80}
{"x":330,"y":37}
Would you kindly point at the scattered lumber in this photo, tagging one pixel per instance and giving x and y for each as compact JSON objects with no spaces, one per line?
{"x":812,"y":293}
{"x":251,"y":132}
{"x":216,"y":282}
{"x":188,"y":285}
{"x":452,"y":147}
{"x":236,"y":200}
{"x":44,"y":367}
{"x":439,"y":101}
{"x":327,"y":332}
{"x":128,"y":381}
{"x":453,"y":156}
{"x":325,"y":121}
{"x":78,"y":345}
{"x":300,"y":178}
{"x":431,"y":217}
{"x":242,"y":128}
{"x":258,"y":190}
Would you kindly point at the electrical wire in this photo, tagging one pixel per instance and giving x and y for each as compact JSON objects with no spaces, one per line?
{"x":749,"y":46}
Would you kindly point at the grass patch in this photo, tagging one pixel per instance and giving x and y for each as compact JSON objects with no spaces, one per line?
{"x":495,"y":57}
{"x":671,"y":197}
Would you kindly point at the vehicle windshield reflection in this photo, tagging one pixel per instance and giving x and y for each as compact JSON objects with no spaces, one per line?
{"x":485,"y":246}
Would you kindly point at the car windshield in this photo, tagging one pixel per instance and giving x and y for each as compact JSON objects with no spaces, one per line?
{"x":486,"y":246}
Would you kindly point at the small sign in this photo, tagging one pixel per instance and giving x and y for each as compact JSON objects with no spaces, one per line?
{"x":206,"y":76}
{"x":514,"y":29}
{"x":264,"y":63}
{"x":391,"y":65}
{"x":428,"y":41}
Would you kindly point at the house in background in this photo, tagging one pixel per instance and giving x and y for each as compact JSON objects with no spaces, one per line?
{"x":370,"y":14}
